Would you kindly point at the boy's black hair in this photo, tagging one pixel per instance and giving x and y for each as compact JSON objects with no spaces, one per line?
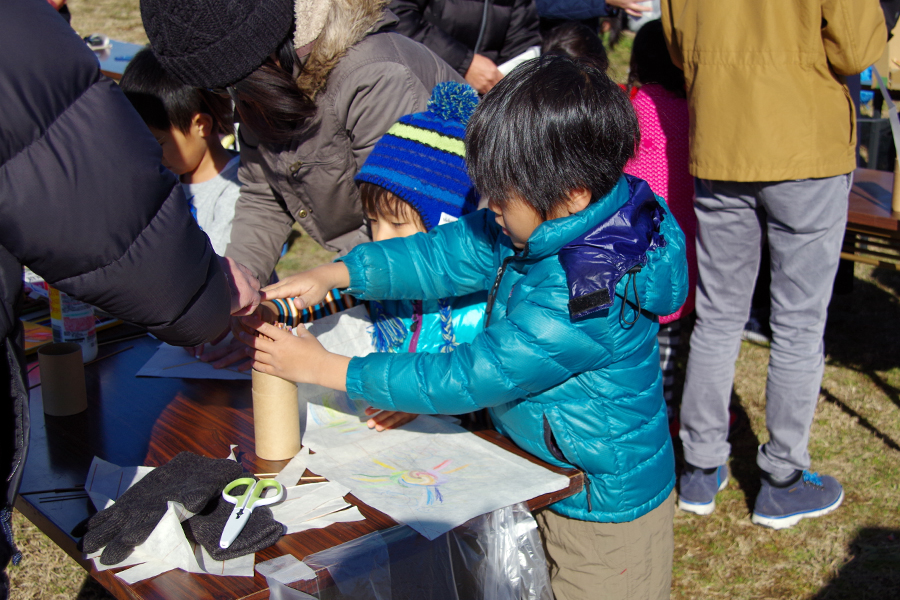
{"x":164,"y":102}
{"x":553,"y":125}
{"x":651,"y":62}
{"x":576,"y":40}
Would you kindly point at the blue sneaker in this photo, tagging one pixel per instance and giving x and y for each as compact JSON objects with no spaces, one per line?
{"x":803,"y":496}
{"x":698,"y":488}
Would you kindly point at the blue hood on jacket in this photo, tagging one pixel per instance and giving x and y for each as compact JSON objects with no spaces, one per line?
{"x":596,"y":261}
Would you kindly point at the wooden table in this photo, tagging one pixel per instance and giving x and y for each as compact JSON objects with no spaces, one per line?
{"x":873,"y":234}
{"x":146,"y":421}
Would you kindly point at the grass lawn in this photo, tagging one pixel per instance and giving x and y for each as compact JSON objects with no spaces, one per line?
{"x":853,"y":553}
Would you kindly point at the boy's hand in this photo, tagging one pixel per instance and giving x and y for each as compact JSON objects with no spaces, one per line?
{"x":387,"y":419}
{"x":310,"y":287}
{"x":299,"y":358}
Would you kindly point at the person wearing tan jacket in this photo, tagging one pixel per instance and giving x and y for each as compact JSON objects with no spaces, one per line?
{"x":772,"y":143}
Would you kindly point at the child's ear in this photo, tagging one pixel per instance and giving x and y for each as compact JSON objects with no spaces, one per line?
{"x":579,"y":199}
{"x":203,"y":123}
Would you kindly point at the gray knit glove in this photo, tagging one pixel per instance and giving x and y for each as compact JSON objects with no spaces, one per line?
{"x":189,"y":479}
{"x":261,"y":530}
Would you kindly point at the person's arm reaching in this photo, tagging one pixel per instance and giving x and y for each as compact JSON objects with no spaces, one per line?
{"x":497,"y":367}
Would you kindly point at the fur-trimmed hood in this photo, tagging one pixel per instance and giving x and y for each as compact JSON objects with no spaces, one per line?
{"x":347,"y":23}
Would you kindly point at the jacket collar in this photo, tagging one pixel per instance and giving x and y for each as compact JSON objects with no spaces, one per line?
{"x":602,"y":243}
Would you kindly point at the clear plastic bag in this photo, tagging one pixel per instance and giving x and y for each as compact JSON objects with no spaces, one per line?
{"x":497,"y":556}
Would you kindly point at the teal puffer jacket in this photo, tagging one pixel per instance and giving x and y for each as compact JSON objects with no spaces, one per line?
{"x":569,"y":368}
{"x":466,"y":316}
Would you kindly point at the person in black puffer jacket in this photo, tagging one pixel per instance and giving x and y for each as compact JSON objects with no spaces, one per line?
{"x":86,"y":204}
{"x":472,"y":36}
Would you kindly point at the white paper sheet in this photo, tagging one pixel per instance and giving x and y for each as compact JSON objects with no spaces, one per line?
{"x":343,"y":516}
{"x":434,"y":482}
{"x":345,"y":333}
{"x":292,"y":471}
{"x":532,"y":52}
{"x":285,"y":569}
{"x":172,"y":361}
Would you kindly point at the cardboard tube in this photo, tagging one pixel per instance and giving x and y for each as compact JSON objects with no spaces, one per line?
{"x":276,"y":417}
{"x":62,"y":379}
{"x":895,"y":197}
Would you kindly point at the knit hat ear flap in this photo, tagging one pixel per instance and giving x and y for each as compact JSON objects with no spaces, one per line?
{"x":422,"y":158}
{"x":310,"y":16}
{"x":214,"y":43}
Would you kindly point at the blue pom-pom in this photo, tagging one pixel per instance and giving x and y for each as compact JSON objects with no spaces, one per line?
{"x":452,"y":101}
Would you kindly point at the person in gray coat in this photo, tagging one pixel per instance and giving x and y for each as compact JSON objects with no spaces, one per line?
{"x":316,"y":83}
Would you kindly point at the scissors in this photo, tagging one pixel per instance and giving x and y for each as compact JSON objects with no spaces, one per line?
{"x":245,"y":503}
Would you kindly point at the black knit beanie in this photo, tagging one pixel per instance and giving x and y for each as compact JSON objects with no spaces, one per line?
{"x":214,"y":43}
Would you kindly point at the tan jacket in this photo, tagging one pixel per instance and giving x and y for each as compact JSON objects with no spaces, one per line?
{"x":362,"y":84}
{"x":766,"y":83}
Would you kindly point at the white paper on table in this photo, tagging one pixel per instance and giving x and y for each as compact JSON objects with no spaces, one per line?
{"x":173,"y":361}
{"x":436,"y":482}
{"x":334,"y":420}
{"x":285,"y":569}
{"x":345,"y":333}
{"x":305,"y":502}
{"x":532,"y":52}
{"x":291,"y":473}
{"x":343,"y":516}
{"x":106,"y":482}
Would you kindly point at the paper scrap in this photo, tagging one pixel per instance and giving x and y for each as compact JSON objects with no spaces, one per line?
{"x":173,"y":361}
{"x":285,"y":569}
{"x":344,"y":516}
{"x":106,"y":482}
{"x":293,"y":471}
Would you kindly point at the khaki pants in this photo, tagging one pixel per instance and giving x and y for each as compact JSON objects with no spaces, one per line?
{"x":610,"y":561}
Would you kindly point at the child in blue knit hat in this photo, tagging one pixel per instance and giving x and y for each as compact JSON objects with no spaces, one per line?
{"x":414,"y":180}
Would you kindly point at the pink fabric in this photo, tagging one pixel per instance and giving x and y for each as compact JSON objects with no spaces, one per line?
{"x":662,"y":161}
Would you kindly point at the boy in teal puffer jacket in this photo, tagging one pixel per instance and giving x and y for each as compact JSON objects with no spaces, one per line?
{"x":578,"y":259}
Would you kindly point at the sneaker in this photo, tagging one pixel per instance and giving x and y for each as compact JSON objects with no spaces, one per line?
{"x":698,"y":488}
{"x":803,"y":496}
{"x":757,"y":331}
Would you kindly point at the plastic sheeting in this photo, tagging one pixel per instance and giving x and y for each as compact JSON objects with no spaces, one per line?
{"x":497,"y":556}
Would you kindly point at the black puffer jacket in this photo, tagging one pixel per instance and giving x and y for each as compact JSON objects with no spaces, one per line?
{"x":451,"y":28}
{"x":85,"y":203}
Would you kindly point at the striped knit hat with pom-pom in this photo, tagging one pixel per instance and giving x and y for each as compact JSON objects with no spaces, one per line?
{"x":421,"y":159}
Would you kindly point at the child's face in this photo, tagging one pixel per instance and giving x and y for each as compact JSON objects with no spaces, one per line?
{"x":517,"y":218}
{"x":182,"y":151}
{"x":401,"y":223}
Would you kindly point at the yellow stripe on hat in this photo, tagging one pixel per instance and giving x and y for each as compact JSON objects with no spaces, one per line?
{"x":429,"y":137}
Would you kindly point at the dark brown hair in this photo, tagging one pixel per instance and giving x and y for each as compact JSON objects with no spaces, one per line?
{"x":576,"y":40}
{"x":376,"y":200}
{"x":269,"y":101}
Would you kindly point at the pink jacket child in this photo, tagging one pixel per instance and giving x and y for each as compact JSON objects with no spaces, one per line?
{"x":662,"y":161}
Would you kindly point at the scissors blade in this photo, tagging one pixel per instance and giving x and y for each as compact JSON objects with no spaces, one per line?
{"x":235,"y":524}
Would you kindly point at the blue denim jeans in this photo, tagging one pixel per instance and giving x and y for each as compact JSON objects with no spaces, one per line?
{"x":805,"y":221}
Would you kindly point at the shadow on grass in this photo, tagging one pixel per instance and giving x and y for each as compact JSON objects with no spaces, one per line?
{"x":873,"y":570}
{"x":861,"y":420}
{"x":863,"y":331}
{"x":744,"y":446}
